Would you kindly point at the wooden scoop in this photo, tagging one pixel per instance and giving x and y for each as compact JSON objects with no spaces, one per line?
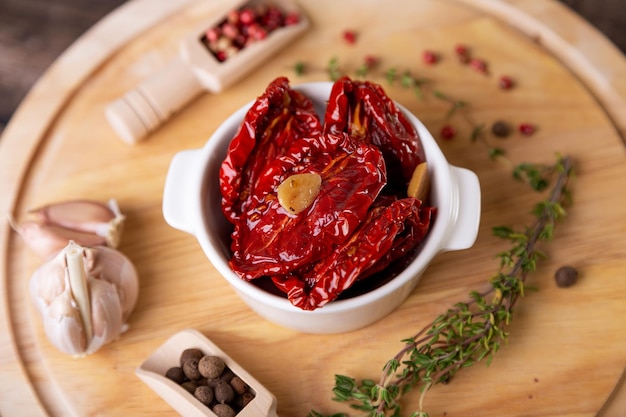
{"x":143,"y":109}
{"x":152,"y":372}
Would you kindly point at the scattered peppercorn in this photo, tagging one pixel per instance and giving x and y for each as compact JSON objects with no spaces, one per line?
{"x":501,"y":129}
{"x":223,"y":410}
{"x":566,"y":276}
{"x":462,"y":54}
{"x":506,"y":82}
{"x":527,"y":129}
{"x":448,"y":132}
{"x":349,"y":36}
{"x":479,"y":65}
{"x":211,"y":366}
{"x":371,"y":61}
{"x":430,"y":57}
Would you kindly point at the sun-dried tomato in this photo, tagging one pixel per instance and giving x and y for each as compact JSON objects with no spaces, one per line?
{"x":359,"y":223}
{"x":363,"y":109}
{"x":270,"y":240}
{"x":277,"y":118}
{"x":385,"y":228}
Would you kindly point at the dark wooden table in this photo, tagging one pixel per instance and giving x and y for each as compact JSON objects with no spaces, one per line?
{"x":34,"y":32}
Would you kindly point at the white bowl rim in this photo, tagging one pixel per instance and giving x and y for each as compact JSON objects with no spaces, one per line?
{"x":432,"y":245}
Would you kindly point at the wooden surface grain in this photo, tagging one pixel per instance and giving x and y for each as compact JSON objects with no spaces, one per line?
{"x":566,"y":353}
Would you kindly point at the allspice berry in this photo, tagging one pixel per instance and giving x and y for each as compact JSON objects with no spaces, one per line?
{"x":190,"y":353}
{"x":566,"y":276}
{"x":246,"y":398}
{"x":224,"y":393}
{"x":501,"y":129}
{"x":176,"y":374}
{"x":223,"y":410}
{"x":190,"y":368}
{"x":204,"y":394}
{"x":211,"y":367}
{"x":189,"y":386}
{"x":238,"y":385}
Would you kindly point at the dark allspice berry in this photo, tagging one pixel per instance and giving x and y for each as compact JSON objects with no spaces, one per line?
{"x":176,"y":374}
{"x":204,"y":394}
{"x":501,"y":129}
{"x":211,"y":366}
{"x":191,"y":353}
{"x":223,"y":410}
{"x":566,"y":276}
{"x":190,"y":368}
{"x":224,"y":393}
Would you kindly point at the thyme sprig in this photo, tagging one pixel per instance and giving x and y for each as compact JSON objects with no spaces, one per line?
{"x":474,"y":330}
{"x":470,"y":331}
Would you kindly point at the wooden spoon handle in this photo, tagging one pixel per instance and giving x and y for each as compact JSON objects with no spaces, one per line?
{"x":149,"y":105}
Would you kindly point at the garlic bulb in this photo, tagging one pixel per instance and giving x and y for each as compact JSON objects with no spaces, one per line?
{"x":89,"y":223}
{"x":84,"y":296}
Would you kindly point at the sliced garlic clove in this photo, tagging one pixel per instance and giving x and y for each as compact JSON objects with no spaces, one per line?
{"x":420,"y":182}
{"x":297,"y":192}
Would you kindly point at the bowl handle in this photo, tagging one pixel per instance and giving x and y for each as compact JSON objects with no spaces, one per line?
{"x":178,"y":210}
{"x":465,"y":222}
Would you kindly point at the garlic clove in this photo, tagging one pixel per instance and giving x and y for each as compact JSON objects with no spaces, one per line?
{"x":63,"y":324}
{"x":105,"y":220}
{"x":106,"y":319}
{"x":48,"y":281}
{"x":114,"y":267}
{"x":47,"y":240}
{"x":78,"y":284}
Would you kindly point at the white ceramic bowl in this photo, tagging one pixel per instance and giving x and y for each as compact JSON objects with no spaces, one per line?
{"x":191,"y":203}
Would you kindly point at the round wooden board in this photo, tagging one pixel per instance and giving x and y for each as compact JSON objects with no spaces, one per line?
{"x":566,"y":352}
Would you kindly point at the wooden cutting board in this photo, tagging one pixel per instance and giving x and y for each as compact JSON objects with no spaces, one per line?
{"x":567,"y":349}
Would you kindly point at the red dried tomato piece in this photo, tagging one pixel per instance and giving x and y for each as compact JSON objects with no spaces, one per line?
{"x":277,"y":118}
{"x":385,"y":227}
{"x":269,"y":240}
{"x":357,"y":225}
{"x":362,"y":109}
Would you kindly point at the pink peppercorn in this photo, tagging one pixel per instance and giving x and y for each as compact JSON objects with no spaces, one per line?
{"x":370,"y":61}
{"x":349,"y":36}
{"x":462,"y":54}
{"x":430,"y":57}
{"x":213,"y":34}
{"x":479,"y":65}
{"x":461,"y":50}
{"x":247,"y":16}
{"x":506,"y":82}
{"x":448,"y":132}
{"x":527,"y":129}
